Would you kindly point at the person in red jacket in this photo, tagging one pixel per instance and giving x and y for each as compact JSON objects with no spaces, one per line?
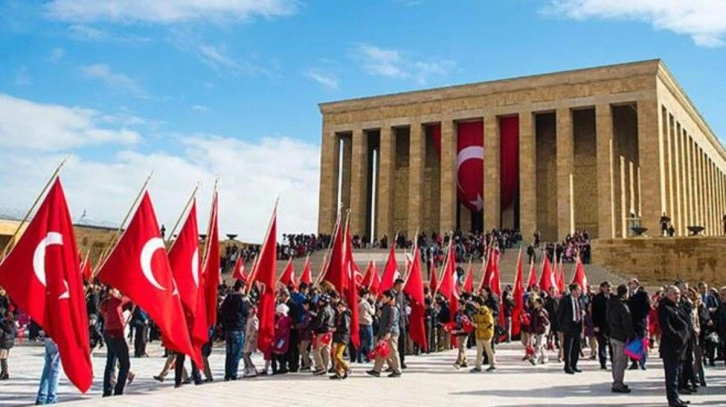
{"x":112,"y":308}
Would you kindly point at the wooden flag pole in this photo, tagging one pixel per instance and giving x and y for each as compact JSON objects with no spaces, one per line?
{"x":112,"y":243}
{"x":255,"y":266}
{"x":11,"y":242}
{"x":184,"y":211}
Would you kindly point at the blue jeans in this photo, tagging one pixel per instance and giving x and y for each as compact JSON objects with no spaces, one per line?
{"x":49,"y":378}
{"x":366,"y":342}
{"x":116,"y":350}
{"x":234,"y":342}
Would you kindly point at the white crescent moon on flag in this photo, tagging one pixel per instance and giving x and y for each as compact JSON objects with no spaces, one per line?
{"x":469,"y":153}
{"x":195,"y":267}
{"x":151,"y":246}
{"x":39,"y":254}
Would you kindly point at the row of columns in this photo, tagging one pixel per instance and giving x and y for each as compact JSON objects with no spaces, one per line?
{"x":693,"y":185}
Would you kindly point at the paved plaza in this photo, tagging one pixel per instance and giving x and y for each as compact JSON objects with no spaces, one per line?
{"x":429,"y":380}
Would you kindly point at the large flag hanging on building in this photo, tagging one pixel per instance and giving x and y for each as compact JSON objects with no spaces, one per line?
{"x":185,"y":266}
{"x":580,"y":276}
{"x":239,"y":272}
{"x":390,"y":273}
{"x":518,"y":295}
{"x":532,"y":280}
{"x":139,"y":267}
{"x":307,"y":274}
{"x":351,"y":289}
{"x":265,"y":273}
{"x":547,"y":279}
{"x":211,"y":270}
{"x":288,"y":275}
{"x":414,"y":288}
{"x":434,"y":281}
{"x":469,"y":281}
{"x":42,"y":275}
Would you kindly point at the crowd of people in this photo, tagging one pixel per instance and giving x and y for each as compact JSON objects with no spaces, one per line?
{"x":313,"y":332}
{"x":292,"y":246}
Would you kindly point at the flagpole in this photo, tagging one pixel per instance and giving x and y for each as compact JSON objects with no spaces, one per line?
{"x":32,"y":208}
{"x":184,"y":211}
{"x":209,"y":222}
{"x":255,"y":266}
{"x":112,"y":243}
{"x":446,"y":265}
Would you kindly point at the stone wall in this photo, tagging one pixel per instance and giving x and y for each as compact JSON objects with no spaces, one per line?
{"x":663,"y":260}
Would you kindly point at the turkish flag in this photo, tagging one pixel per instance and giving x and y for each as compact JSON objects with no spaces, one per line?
{"x":210,"y":270}
{"x":580,"y":276}
{"x":185,"y":266}
{"x":42,"y":275}
{"x":307,"y":274}
{"x":532,"y":280}
{"x":368,"y":277}
{"x":351,"y":290}
{"x":139,"y":267}
{"x":375,"y":285}
{"x":414,"y":288}
{"x":448,"y":288}
{"x":288,"y":275}
{"x":390,"y":273}
{"x":491,"y":266}
{"x":265,"y":272}
{"x":518,"y":295}
{"x":547,"y":279}
{"x":469,"y":281}
{"x":334,"y":273}
{"x":434,"y":281}
{"x":470,"y":164}
{"x":239,"y":270}
{"x":561,"y":278}
{"x":86,"y":269}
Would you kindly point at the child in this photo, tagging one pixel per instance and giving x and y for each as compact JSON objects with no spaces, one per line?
{"x":484,"y":333}
{"x":282,"y":339}
{"x":341,"y":337}
{"x":539,"y":327}
{"x":251,"y":329}
{"x":306,"y":336}
{"x":461,"y":334}
{"x":8,"y":332}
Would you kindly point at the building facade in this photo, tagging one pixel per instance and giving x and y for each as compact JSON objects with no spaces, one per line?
{"x":588,"y":149}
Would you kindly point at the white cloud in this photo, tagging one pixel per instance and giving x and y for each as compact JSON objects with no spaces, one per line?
{"x":218,"y":59}
{"x":27,"y":125}
{"x":703,"y":20}
{"x":252,"y":174}
{"x":391,"y":63}
{"x":200,"y":108}
{"x":22,"y":78}
{"x":57,"y":54}
{"x":115,"y":80}
{"x":167,"y":11}
{"x":83,"y":32}
{"x":328,"y":80}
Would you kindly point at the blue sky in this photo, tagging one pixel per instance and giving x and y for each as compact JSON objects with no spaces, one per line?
{"x":230,"y":88}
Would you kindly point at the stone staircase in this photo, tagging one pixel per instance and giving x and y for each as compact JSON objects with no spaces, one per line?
{"x":507,"y":264}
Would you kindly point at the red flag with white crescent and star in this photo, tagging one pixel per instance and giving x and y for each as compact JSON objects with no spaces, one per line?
{"x":469,"y":281}
{"x":433,"y":281}
{"x":139,"y":267}
{"x":264,"y":272}
{"x":239,"y":272}
{"x":211,"y":265}
{"x":470,"y":164}
{"x":414,"y":288}
{"x":307,"y":274}
{"x":288,"y":275}
{"x":547,"y":279}
{"x":185,"y":266}
{"x":390,"y":272}
{"x":532,"y":279}
{"x":580,"y":276}
{"x":375,"y":285}
{"x":42,"y":275}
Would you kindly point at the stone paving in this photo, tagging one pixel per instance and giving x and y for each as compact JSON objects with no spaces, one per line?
{"x":429,"y":380}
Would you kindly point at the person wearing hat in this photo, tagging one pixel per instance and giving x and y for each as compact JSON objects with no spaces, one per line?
{"x":388,"y":330}
{"x":341,"y":338}
{"x":281,"y":344}
{"x":322,"y":324}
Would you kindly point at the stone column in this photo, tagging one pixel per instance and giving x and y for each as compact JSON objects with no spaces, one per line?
{"x":386,"y":184}
{"x":417,"y":161}
{"x":662,"y":157}
{"x":345,"y":184}
{"x":671,"y":209}
{"x":649,"y":157}
{"x":623,"y":200}
{"x":359,"y":183}
{"x":329,"y":175}
{"x":710,"y":206}
{"x":447,"y":219}
{"x":676,"y":216}
{"x":492,"y":174}
{"x":689,"y":169}
{"x":565,"y":167}
{"x":604,"y":157}
{"x":527,"y":176}
{"x":699,"y":185}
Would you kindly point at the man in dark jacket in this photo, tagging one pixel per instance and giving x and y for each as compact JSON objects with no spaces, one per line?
{"x":233,"y":314}
{"x":600,"y":322}
{"x":639,"y":305}
{"x":292,"y":358}
{"x":719,"y":319}
{"x":322,"y":324}
{"x":674,"y":338}
{"x":620,"y":329}
{"x":388,"y":330}
{"x":569,"y":320}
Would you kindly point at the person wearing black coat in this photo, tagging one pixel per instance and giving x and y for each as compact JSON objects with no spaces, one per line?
{"x":233,"y":315}
{"x":719,"y":323}
{"x":8,"y":332}
{"x":341,"y":338}
{"x":620,"y":328}
{"x":569,"y":320}
{"x":673,"y":342}
{"x":600,"y":323}
{"x":639,"y":304}
{"x":552,"y":306}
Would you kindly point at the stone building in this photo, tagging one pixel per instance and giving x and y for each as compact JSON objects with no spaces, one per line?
{"x":595,"y":148}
